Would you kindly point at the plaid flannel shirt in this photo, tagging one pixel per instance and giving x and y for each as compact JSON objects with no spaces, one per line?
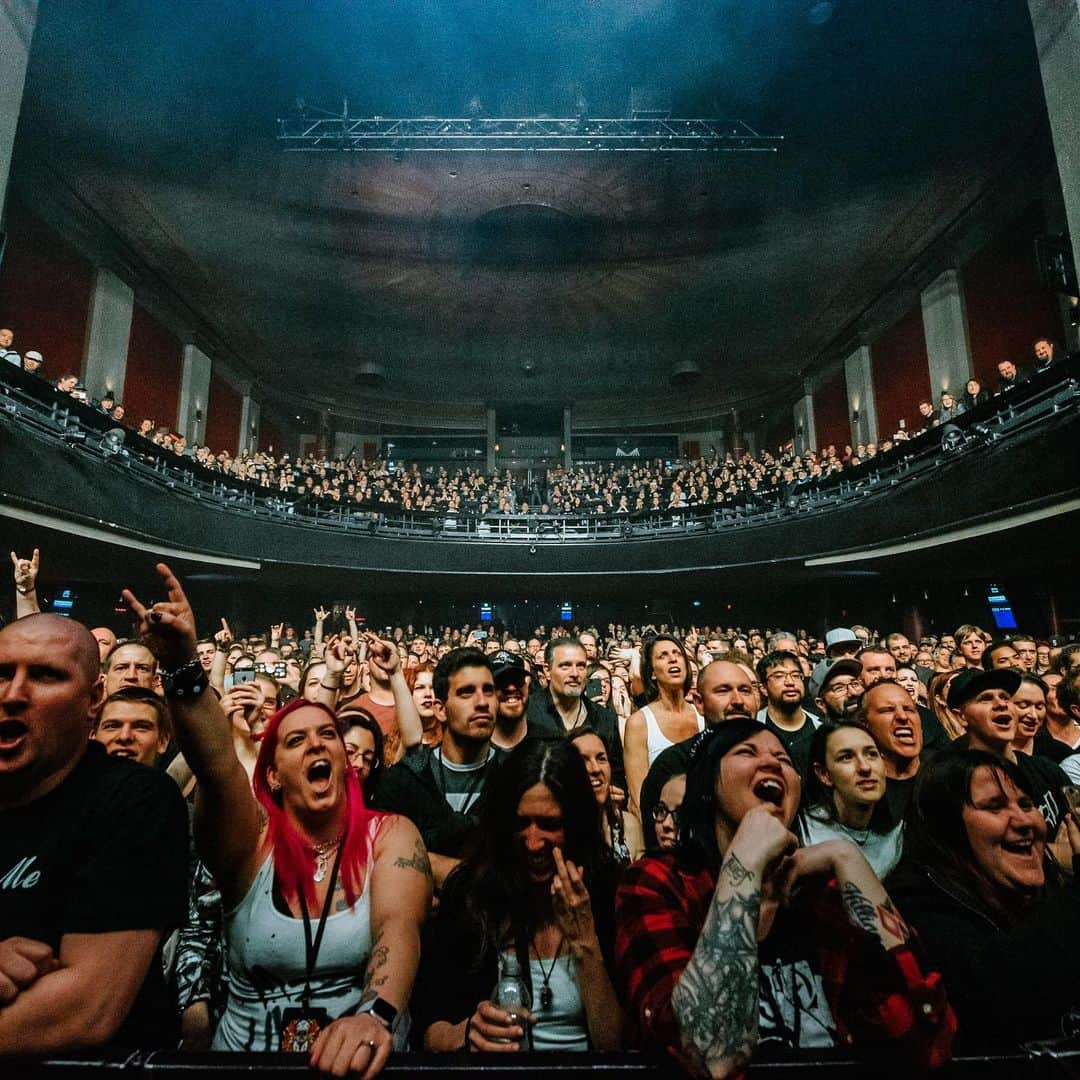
{"x":878,"y":999}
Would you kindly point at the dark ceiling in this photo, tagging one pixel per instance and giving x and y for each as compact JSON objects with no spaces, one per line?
{"x":504,"y":277}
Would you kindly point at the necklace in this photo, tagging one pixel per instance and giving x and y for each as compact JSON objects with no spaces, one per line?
{"x":546,"y":996}
{"x":320,"y":851}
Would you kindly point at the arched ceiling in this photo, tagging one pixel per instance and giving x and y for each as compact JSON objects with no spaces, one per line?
{"x":526,"y":277}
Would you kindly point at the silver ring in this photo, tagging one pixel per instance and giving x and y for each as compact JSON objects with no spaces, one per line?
{"x":371,"y":1043}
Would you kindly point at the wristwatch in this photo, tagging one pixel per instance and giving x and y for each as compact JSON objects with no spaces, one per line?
{"x":187,"y":681}
{"x":382,"y":1009}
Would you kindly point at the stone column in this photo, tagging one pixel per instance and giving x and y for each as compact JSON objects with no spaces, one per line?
{"x":17,"y":21}
{"x":194,"y":394}
{"x":859,"y":379}
{"x":249,"y":424}
{"x":948,"y":348}
{"x":108,"y":332}
{"x":567,"y":418}
{"x":492,"y":437}
{"x":805,"y":432}
{"x":1057,"y":39}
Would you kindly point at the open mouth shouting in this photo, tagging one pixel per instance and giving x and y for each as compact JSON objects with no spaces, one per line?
{"x":904,"y":735}
{"x":12,"y":735}
{"x":771,"y":789}
{"x":319,"y":775}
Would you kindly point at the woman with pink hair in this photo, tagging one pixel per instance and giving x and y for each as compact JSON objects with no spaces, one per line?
{"x":324,"y":899}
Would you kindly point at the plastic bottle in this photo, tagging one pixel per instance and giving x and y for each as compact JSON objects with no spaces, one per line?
{"x":511,"y":994}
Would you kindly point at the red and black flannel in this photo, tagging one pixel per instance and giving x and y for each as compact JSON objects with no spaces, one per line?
{"x":878,"y":999}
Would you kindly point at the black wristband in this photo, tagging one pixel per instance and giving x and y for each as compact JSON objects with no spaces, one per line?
{"x":467,"y":1045}
{"x":187,"y":681}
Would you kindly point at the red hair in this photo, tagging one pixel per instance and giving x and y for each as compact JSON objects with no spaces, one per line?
{"x":294,"y":861}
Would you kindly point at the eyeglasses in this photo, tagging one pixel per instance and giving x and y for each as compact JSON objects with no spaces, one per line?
{"x":660,"y":812}
{"x":365,"y":757}
{"x":786,"y":676}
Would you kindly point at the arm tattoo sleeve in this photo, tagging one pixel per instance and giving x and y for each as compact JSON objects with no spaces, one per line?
{"x":716,"y":997}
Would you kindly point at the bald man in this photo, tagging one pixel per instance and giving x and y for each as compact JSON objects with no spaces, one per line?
{"x":92,"y":857}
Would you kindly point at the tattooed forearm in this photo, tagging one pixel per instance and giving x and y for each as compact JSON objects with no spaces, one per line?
{"x":418,"y":860}
{"x":877,"y":920}
{"x":735,"y":872}
{"x":716,"y":997}
{"x":380,"y":954}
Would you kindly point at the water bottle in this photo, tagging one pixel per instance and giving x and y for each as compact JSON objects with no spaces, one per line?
{"x":511,"y":994}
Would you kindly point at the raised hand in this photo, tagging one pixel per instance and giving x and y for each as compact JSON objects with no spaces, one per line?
{"x":166,"y":628}
{"x":26,"y":571}
{"x":276,"y":630}
{"x":338,"y":651}
{"x":321,"y":614}
{"x":572,"y":907}
{"x":350,"y":614}
{"x":382,"y":654}
{"x":224,"y":637}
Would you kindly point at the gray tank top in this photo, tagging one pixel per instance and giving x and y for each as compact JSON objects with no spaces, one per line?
{"x":266,"y":962}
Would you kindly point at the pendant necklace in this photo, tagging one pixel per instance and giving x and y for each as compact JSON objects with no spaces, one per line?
{"x":320,"y":852}
{"x":546,"y":996}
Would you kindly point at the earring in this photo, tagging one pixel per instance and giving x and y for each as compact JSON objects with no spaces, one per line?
{"x":274,"y":788}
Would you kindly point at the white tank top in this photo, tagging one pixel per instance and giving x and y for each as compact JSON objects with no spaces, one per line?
{"x":266,"y":962}
{"x":658,"y":741}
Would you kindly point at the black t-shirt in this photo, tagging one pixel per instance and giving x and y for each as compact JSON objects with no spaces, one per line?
{"x":797,"y":744}
{"x":891,"y":810}
{"x":1045,"y":780}
{"x":105,"y":851}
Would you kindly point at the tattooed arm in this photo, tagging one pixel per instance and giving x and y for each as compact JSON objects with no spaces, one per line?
{"x":866,"y":903}
{"x":400,"y":897}
{"x":716,"y":998}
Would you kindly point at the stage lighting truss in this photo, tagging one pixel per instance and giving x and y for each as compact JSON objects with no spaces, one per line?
{"x":479,"y":135}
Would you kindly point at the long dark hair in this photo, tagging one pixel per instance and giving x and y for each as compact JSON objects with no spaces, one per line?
{"x":697,"y":848}
{"x":356,"y":716}
{"x":609,"y":809}
{"x":935,"y":836}
{"x":648,"y":674}
{"x":491,"y":885}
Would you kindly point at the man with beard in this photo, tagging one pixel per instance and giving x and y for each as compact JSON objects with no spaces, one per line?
{"x":838,"y":690}
{"x":780,"y":674}
{"x":727,"y":692}
{"x":512,"y":697}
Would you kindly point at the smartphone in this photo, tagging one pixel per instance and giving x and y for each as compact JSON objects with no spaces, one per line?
{"x":594,"y":688}
{"x":260,"y":669}
{"x":243,"y":675}
{"x":281,"y":669}
{"x":480,"y":635}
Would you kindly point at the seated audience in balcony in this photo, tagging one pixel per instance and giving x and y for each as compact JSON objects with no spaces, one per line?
{"x":716,"y":962}
{"x":974,"y":394}
{"x":93,"y":853}
{"x":845,"y":784}
{"x":1045,"y":354}
{"x":621,"y":828}
{"x":950,"y":408}
{"x":302,"y":842}
{"x":977,"y":883}
{"x":1010,"y":376}
{"x":34,"y":363}
{"x":7,"y":339}
{"x":538,"y":885}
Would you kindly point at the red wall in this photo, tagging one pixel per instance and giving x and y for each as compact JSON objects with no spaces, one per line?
{"x":830,"y":413}
{"x":900,"y":372}
{"x":154,"y":367}
{"x":223,"y":416}
{"x":45,"y":289}
{"x":1007,"y":307}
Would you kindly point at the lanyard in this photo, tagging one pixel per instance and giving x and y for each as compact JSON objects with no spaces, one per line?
{"x":311,"y":950}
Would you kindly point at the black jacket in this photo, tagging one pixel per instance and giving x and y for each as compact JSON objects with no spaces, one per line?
{"x":1008,"y":984}
{"x":544,"y":721}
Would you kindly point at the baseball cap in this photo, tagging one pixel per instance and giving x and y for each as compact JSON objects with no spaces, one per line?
{"x":826,"y":670}
{"x":840,"y":635}
{"x":972,"y":681}
{"x":504,"y":663}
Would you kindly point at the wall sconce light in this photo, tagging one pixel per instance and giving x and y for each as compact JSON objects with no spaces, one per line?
{"x":855,"y":417}
{"x":562,"y":448}
{"x":497,"y":448}
{"x":198,"y":416}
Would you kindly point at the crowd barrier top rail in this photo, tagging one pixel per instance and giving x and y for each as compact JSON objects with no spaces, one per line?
{"x":1035,"y":1062}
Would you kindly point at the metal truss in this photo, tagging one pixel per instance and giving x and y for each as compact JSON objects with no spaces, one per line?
{"x":528,"y":135}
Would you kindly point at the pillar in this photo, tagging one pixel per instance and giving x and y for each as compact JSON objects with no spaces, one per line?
{"x":948,"y":349}
{"x":805,"y":432}
{"x":492,"y":438}
{"x":108,"y":332}
{"x":862,"y":411}
{"x":567,"y":418}
{"x":249,"y":424}
{"x":194,"y":394}
{"x":1057,"y":39}
{"x":17,"y":21}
